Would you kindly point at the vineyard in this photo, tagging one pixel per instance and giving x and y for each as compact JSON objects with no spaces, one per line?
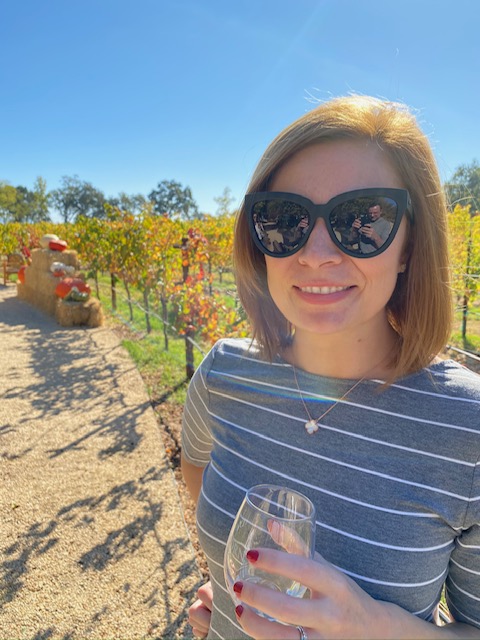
{"x":174,"y":277}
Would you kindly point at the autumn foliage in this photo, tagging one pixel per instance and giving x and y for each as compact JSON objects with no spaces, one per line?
{"x":177,"y":266}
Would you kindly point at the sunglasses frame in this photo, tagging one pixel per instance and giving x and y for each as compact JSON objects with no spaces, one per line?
{"x":323,"y":211}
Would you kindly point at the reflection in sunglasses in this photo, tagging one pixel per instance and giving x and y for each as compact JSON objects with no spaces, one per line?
{"x":361,"y":223}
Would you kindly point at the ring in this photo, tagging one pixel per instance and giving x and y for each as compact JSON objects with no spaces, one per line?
{"x":303,"y":635}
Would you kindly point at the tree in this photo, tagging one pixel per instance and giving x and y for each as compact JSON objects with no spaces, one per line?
{"x":76,"y":198}
{"x":8,"y":199}
{"x":464,"y":187}
{"x":464,"y":238}
{"x":134,"y":203}
{"x":19,"y":204}
{"x":224,"y":202}
{"x":172,"y":199}
{"x":39,"y":211}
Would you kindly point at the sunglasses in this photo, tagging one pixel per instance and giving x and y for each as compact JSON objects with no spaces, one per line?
{"x":361,"y":223}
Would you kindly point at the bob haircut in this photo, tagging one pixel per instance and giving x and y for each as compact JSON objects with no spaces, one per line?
{"x":421,"y":308}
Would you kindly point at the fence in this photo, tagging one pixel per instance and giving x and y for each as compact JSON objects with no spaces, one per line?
{"x":193,"y":344}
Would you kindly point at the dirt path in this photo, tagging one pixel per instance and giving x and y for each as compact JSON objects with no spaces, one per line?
{"x":93,"y":542}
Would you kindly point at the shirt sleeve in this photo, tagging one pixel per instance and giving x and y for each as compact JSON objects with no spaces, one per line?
{"x":197,"y":439}
{"x":463,"y":581}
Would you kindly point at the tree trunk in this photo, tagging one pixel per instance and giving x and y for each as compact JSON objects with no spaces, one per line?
{"x":97,"y":288}
{"x":464,"y":317}
{"x":113,"y":281}
{"x":129,"y":300}
{"x":147,"y":309}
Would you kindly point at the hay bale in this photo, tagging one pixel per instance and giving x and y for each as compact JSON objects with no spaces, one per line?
{"x":22,"y":291}
{"x":39,"y":290}
{"x":42,"y":259}
{"x":71,"y":314}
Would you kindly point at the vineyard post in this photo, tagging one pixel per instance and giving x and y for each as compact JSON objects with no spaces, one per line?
{"x":129,"y":298}
{"x":113,"y":281}
{"x":190,"y":367}
{"x":146,"y":302}
{"x":165,"y":320}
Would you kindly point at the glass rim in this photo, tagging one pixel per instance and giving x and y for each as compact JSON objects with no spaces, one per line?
{"x":274,"y":487}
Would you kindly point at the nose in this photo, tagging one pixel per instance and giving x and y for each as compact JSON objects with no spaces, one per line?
{"x":319,"y":248}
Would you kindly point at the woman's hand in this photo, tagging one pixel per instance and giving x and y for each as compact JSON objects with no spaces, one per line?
{"x":200,"y":612}
{"x":337,"y":608}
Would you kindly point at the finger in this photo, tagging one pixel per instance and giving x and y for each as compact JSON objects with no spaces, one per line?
{"x":275,"y":604}
{"x":205,"y":594}
{"x":199,"y":616}
{"x":261,"y":628}
{"x":317,"y":574}
{"x":199,"y":633}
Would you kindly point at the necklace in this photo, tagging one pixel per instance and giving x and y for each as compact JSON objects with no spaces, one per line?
{"x":312,"y":425}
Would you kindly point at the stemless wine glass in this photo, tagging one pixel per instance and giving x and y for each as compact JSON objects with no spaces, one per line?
{"x":273,"y":517}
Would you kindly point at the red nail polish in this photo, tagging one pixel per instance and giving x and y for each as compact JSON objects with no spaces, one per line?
{"x":237,"y":587}
{"x":239,"y":610}
{"x":252,"y":555}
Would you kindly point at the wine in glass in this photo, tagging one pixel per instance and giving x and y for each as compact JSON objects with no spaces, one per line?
{"x":273,"y":517}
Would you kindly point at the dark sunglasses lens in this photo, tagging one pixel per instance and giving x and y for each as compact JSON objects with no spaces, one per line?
{"x":280,"y":225}
{"x":363,"y":225}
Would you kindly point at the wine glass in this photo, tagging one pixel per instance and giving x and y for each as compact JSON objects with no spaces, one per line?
{"x":273,"y":517}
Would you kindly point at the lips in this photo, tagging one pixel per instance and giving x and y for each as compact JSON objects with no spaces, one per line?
{"x":322,"y":290}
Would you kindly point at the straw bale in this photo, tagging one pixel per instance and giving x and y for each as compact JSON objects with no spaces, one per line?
{"x":42,"y":259}
{"x":21,"y":291}
{"x":40,"y":285}
{"x":70,"y":314}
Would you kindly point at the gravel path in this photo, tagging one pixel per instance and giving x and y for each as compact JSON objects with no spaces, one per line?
{"x":93,"y":542}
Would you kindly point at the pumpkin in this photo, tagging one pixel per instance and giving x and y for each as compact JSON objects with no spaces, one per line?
{"x":60,"y":270}
{"x":57,"y":245}
{"x":63,"y":288}
{"x":21,"y":273}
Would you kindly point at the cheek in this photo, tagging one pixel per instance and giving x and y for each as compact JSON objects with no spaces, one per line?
{"x":277,"y":274}
{"x":381,"y":273}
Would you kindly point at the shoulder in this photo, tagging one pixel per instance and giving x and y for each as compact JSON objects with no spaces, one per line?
{"x":231,"y":349}
{"x":449,"y":379}
{"x":456,"y":379}
{"x":240,"y":359}
{"x":228,"y":352}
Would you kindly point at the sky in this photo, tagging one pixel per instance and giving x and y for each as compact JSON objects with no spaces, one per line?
{"x":127,"y":93}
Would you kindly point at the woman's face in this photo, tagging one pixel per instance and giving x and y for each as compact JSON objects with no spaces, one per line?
{"x":319,"y":289}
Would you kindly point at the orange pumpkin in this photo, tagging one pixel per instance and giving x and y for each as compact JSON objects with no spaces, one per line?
{"x":64,"y":287}
{"x":21,"y":274}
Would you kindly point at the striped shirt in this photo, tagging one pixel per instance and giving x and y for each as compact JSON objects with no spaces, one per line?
{"x":394,"y":474}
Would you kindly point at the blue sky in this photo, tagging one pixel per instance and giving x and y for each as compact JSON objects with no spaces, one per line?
{"x":126,"y":93}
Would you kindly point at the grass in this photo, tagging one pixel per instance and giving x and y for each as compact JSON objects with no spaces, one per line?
{"x":164,"y":371}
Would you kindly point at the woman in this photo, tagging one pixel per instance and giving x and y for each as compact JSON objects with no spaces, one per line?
{"x":342,"y":395}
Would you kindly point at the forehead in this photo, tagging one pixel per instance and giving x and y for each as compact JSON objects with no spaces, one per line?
{"x":326,"y":169}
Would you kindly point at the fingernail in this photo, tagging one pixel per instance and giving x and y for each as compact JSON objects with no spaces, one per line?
{"x":237,"y":587}
{"x":252,"y":555}
{"x":239,"y":610}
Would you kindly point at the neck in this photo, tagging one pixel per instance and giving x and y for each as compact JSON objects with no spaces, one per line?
{"x":343,"y":356}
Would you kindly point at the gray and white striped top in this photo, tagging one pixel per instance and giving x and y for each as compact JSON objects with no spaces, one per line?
{"x":394,"y":474}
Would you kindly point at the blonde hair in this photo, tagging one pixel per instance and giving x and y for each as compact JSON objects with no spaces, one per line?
{"x":420,"y":309}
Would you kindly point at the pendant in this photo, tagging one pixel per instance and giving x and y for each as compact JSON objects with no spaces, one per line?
{"x":311,"y":426}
